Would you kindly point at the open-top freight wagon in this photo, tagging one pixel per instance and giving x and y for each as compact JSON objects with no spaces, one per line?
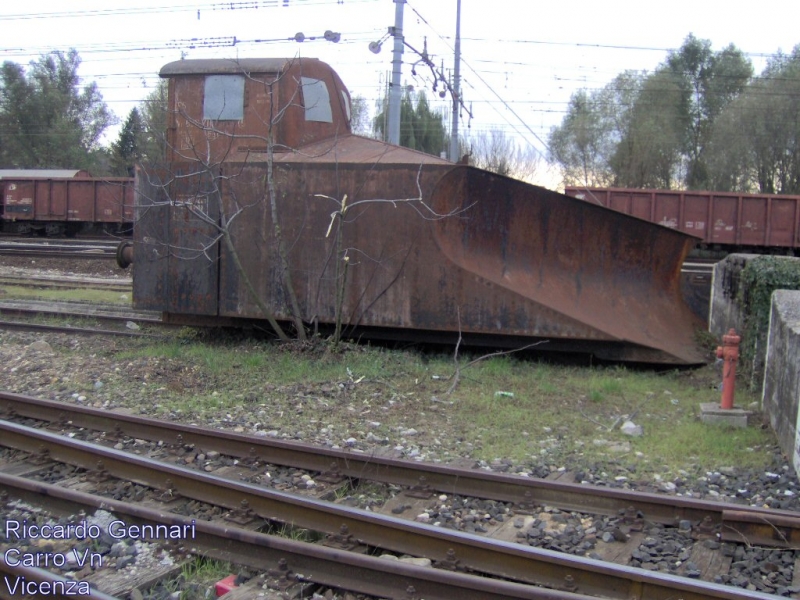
{"x":57,"y":202}
{"x":725,"y":220}
{"x":271,"y":210}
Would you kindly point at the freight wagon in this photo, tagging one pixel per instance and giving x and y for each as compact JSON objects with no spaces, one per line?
{"x":64,"y":202}
{"x":728,"y":221}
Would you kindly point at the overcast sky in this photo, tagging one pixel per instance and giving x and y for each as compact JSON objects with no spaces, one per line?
{"x":522,"y":59}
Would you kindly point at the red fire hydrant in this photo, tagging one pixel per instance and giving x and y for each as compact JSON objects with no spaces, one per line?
{"x":729,"y":353}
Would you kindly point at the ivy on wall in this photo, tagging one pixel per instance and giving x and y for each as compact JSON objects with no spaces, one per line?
{"x":760,"y":277}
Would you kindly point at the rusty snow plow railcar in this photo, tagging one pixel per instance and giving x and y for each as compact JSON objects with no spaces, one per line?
{"x":271,"y":208}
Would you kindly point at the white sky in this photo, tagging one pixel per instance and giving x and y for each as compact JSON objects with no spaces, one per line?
{"x":528,"y":54}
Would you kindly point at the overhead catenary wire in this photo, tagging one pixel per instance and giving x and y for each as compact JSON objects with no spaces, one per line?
{"x":207,"y":6}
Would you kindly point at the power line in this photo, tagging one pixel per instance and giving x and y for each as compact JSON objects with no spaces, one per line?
{"x":127,"y":11}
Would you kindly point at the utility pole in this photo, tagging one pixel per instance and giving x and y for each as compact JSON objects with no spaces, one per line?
{"x":456,"y":88}
{"x":395,"y":93}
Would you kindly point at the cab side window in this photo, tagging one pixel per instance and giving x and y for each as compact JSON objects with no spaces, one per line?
{"x":316,"y":100}
{"x":224,"y":98}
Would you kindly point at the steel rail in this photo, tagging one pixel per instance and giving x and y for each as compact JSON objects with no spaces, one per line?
{"x":22,"y":326}
{"x":348,"y":525}
{"x":290,"y":561}
{"x":740,"y":523}
{"x":88,"y":254}
{"x":53,"y":283}
{"x":102,"y":312}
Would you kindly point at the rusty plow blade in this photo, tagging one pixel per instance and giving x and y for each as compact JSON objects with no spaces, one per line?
{"x":566,"y":270}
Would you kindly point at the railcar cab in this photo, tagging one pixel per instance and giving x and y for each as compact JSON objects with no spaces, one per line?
{"x":229,"y":110}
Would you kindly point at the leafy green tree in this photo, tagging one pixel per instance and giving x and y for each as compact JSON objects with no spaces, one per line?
{"x":420,"y":127}
{"x":708,"y":82}
{"x":153,"y":112}
{"x":755,"y":144}
{"x":47,"y":120}
{"x":782,"y":127}
{"x":648,"y":153}
{"x":579,"y":144}
{"x":740,"y":155}
{"x":126,"y":151}
{"x":652,"y":130}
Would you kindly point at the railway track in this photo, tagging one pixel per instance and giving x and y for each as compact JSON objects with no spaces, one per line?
{"x":84,"y":249}
{"x":347,"y":528}
{"x":110,"y":320}
{"x":67,"y":282}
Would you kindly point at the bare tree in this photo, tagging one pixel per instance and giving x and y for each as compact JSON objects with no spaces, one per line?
{"x":495,"y":151}
{"x":360,"y":120}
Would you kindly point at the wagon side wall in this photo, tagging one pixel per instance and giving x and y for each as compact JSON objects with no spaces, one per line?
{"x":718,"y":218}
{"x":89,"y":200}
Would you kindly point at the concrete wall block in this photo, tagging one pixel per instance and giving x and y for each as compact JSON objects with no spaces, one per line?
{"x":782,"y":372}
{"x":726,"y":313}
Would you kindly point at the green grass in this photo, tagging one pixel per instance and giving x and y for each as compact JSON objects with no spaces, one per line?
{"x":66,"y":295}
{"x":197,"y":577}
{"x":550,"y":413}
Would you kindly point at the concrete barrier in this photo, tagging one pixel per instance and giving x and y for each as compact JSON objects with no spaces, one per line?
{"x":782,"y":372}
{"x":726,"y":311}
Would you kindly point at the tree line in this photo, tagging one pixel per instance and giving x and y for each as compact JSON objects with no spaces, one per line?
{"x":49,"y":120}
{"x":700,"y":120}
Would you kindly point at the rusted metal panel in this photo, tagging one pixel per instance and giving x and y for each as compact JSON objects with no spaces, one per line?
{"x":194,"y":250}
{"x":782,"y":222}
{"x":113,"y":201}
{"x":176,"y":251}
{"x":724,"y":217}
{"x":476,"y":253}
{"x":151,"y":248}
{"x":379,"y":236}
{"x":357,"y":149}
{"x":695,"y":215}
{"x":18,"y":199}
{"x":614,"y":277}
